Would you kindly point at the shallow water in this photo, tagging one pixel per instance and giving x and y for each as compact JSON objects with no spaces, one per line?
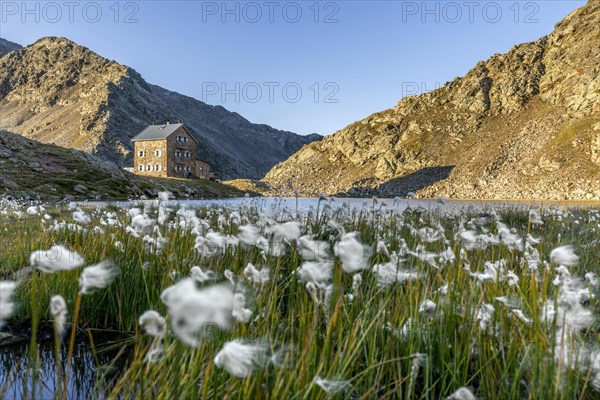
{"x":306,"y":204}
{"x":89,"y":377}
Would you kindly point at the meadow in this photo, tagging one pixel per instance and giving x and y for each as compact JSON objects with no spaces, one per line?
{"x":388,"y":300}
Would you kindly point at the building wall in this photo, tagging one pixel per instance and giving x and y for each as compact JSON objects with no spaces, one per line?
{"x":149,"y":158}
{"x":173,"y":146}
{"x":203,"y":170}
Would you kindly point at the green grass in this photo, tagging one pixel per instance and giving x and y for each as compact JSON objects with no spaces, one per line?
{"x":361,"y":341}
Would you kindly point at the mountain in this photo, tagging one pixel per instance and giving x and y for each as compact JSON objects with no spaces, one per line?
{"x":33,"y":170}
{"x":7,"y":46}
{"x":56,"y":91}
{"x":525,"y":124}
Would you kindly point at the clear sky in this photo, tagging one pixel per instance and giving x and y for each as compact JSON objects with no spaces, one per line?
{"x":303,"y":66}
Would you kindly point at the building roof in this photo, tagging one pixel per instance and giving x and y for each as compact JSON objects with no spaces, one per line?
{"x":159,"y":132}
{"x":203,"y":161}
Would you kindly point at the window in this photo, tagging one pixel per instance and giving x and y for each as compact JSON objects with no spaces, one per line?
{"x":140,"y":167}
{"x":178,"y":168}
{"x":158,"y":153}
{"x":187,"y":168}
{"x":157,"y":167}
{"x":141,"y":153}
{"x":177,"y":153}
{"x":187,"y":154}
{"x":200,"y":168}
{"x":185,"y":139}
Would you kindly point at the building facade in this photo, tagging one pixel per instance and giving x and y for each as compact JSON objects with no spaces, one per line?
{"x":168,"y":151}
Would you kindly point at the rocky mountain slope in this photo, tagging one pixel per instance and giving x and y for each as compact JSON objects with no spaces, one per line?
{"x":59,"y":92}
{"x":525,"y":124}
{"x":8,"y":46}
{"x":33,"y":170}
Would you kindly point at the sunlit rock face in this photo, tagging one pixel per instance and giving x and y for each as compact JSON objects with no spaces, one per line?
{"x":524,"y":124}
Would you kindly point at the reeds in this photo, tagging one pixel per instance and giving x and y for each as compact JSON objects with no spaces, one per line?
{"x":374,"y":302}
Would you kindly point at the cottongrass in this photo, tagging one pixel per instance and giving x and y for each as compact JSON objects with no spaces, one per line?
{"x":239,"y":312}
{"x":392,"y":306}
{"x":462,"y":393}
{"x":256,"y":276}
{"x":7,"y":307}
{"x":333,"y":385}
{"x":241,"y":359}
{"x":195,"y":311}
{"x":58,"y":310}
{"x":315,"y":272}
{"x":353,"y":254}
{"x":200,"y":275}
{"x":57,"y":258}
{"x":564,"y":255}
{"x":97,"y":276}
{"x":153,"y":324}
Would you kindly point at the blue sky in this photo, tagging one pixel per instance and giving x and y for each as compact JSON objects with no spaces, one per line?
{"x":304,"y":66}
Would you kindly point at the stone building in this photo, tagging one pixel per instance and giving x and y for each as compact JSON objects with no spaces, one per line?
{"x":168,"y":151}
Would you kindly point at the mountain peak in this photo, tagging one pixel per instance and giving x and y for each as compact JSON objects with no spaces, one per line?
{"x":523,"y":124}
{"x":57,"y":91}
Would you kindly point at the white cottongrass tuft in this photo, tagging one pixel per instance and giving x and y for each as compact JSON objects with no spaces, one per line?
{"x":240,"y":359}
{"x":153,"y":324}
{"x":248,"y":234}
{"x":332,"y":386}
{"x":214,"y":243}
{"x":57,"y":258}
{"x":315,"y":272}
{"x":256,"y":276}
{"x":229,"y":276}
{"x":33,"y":210}
{"x":7,"y":307}
{"x":199,"y":275}
{"x":239,"y":312}
{"x":97,"y":276}
{"x":195,"y":311}
{"x":319,"y":292}
{"x":313,"y":250}
{"x":154,"y":352}
{"x":382,"y":248}
{"x":462,"y":393}
{"x":164,"y":196}
{"x":288,"y":231}
{"x":535,"y":218}
{"x":58,"y":310}
{"x":519,"y":314}
{"x":427,"y":307}
{"x":352,"y":253}
{"x":390,"y":273}
{"x":357,"y":280}
{"x":564,"y":255}
{"x":418,"y":360}
{"x":81,"y":217}
{"x":484,"y":314}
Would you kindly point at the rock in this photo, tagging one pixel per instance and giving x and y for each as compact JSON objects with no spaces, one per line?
{"x":81,"y":189}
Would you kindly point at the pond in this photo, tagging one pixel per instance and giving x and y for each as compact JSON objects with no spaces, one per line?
{"x":305,"y":204}
{"x":90,"y":376}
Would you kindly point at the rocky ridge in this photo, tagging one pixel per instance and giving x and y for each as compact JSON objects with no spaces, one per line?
{"x":525,"y":124}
